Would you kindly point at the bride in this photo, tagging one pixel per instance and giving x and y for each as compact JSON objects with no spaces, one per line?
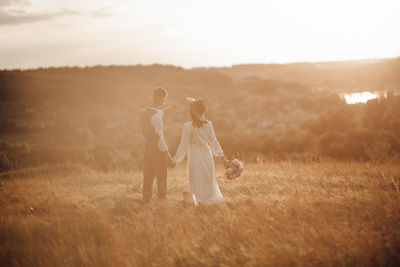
{"x":199,"y":142}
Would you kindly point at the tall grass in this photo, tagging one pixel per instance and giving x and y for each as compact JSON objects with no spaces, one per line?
{"x":285,"y":213}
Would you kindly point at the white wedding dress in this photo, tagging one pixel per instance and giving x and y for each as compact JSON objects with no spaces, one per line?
{"x":200,"y":144}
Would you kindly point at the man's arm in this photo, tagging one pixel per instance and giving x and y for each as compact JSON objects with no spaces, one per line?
{"x":157,"y":123}
{"x":170,"y":109}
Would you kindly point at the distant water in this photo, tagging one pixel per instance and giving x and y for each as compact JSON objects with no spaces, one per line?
{"x":362,"y":97}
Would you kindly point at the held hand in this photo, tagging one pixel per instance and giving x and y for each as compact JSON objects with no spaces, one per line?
{"x":167,"y":157}
{"x":223,"y":160}
{"x":170,"y":161}
{"x":171,"y":164}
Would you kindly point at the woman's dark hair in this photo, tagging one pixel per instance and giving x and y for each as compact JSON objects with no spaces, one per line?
{"x":159,"y":93}
{"x":197,"y":108}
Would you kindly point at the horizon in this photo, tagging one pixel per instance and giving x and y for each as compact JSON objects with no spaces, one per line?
{"x":361,"y":60}
{"x":45,"y":33}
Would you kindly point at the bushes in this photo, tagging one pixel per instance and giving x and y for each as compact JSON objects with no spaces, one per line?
{"x":82,"y":136}
{"x":13,"y":156}
{"x":359,"y":144}
{"x":331,"y":145}
{"x":355,"y":143}
{"x":296,"y":141}
{"x":8,"y":126}
{"x":385,"y":147}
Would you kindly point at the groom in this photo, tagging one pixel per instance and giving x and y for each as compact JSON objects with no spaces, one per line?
{"x":156,"y":156}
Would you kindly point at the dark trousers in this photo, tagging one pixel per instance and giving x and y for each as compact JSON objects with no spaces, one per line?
{"x":155,"y":166}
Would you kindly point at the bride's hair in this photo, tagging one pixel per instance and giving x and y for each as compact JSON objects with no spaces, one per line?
{"x":197,"y":108}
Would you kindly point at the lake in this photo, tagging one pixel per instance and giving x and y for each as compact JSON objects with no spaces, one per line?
{"x":362,"y":97}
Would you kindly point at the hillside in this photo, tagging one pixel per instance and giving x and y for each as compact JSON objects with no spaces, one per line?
{"x":356,"y":75}
{"x":90,"y":115}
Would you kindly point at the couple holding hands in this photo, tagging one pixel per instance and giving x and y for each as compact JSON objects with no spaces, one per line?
{"x":198,"y":142}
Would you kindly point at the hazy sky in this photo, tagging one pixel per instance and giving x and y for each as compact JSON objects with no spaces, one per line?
{"x":187,"y":33}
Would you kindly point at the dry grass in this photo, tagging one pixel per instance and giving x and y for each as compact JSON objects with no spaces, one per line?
{"x":325,"y":214}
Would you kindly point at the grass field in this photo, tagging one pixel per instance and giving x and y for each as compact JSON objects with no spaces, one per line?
{"x":277,"y":214}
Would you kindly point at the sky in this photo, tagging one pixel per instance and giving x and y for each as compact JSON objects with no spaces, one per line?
{"x":43,"y":33}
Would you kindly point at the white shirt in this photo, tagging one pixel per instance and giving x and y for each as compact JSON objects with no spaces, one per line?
{"x":158,"y":125}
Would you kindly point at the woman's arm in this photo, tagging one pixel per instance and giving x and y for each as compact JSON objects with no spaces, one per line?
{"x":184,"y":145}
{"x":215,"y":146}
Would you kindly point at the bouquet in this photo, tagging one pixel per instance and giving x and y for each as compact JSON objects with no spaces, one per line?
{"x":233,"y":169}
